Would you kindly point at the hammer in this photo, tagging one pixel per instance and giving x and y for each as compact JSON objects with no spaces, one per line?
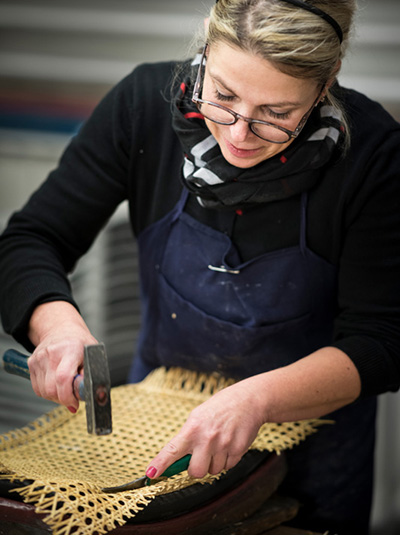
{"x":93,"y":387}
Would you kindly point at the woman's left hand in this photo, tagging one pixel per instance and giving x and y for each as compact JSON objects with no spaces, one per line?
{"x":217,"y":433}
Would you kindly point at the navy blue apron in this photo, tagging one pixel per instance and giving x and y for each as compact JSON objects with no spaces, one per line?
{"x":205,"y":310}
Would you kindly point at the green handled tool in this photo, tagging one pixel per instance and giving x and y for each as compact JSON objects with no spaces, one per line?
{"x":176,"y":468}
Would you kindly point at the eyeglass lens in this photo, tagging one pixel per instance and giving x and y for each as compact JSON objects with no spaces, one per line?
{"x":222,"y":116}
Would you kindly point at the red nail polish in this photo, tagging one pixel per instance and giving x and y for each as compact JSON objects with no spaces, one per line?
{"x":151,"y":472}
{"x":72,"y":409}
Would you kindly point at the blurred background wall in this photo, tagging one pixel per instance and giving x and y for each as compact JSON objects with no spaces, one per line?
{"x":57,"y":59}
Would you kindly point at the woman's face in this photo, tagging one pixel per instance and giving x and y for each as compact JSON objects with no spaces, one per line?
{"x":253,"y":87}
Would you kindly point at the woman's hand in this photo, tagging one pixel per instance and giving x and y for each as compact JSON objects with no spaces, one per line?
{"x":217,"y":433}
{"x":220,"y":431}
{"x":60,"y":334}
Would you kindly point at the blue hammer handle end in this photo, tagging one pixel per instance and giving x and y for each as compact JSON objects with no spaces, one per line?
{"x":16,"y":363}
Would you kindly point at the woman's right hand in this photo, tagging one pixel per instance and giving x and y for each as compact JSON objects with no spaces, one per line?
{"x":59,"y":334}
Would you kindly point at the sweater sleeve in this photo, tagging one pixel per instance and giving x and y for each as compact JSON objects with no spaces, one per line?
{"x":368,"y":324}
{"x":58,"y":224}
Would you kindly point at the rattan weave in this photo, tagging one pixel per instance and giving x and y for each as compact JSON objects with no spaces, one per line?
{"x":67,"y":467}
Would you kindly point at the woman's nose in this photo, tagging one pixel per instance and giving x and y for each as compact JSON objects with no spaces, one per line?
{"x":240,"y":130}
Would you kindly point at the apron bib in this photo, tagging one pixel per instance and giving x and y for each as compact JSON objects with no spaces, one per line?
{"x":205,"y":310}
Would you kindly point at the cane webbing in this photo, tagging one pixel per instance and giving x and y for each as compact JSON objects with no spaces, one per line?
{"x":67,"y":468}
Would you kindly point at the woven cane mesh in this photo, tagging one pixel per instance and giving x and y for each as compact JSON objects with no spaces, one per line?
{"x":67,"y":468}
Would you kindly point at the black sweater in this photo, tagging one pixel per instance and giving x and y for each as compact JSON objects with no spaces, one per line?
{"x":128,"y":150}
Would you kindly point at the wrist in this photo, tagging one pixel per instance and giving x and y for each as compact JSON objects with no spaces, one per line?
{"x":311,"y":387}
{"x":51,"y":316}
{"x":260,"y":389}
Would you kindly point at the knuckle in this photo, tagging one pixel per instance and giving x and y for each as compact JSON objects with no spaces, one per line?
{"x":225,"y":444}
{"x":192,"y":424}
{"x":55,"y":351}
{"x":237,"y":451}
{"x":34,"y":360}
{"x":62,"y":375}
{"x":171,"y":448}
{"x":209,"y":438}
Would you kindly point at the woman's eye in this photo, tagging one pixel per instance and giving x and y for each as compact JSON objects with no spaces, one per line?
{"x":229,"y":98}
{"x":223,"y":98}
{"x":279,"y":116}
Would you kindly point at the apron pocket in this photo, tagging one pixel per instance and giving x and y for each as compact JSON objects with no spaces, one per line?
{"x":188,"y":337}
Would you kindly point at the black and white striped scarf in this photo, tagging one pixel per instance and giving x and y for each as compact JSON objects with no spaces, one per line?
{"x":218,"y":184}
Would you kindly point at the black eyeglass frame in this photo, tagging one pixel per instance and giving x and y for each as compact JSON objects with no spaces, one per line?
{"x":292,"y":134}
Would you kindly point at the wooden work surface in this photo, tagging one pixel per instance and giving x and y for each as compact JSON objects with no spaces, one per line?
{"x":17,"y":518}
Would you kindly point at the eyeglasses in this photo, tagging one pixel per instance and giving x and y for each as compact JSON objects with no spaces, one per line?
{"x":263,"y":129}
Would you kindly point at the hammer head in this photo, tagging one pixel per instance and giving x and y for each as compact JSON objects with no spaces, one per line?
{"x":97,"y":386}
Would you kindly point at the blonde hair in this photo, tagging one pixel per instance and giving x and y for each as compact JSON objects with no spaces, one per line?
{"x":299,"y":43}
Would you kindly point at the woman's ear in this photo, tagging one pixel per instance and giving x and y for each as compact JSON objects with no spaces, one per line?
{"x":331,"y":80}
{"x":206,"y":23}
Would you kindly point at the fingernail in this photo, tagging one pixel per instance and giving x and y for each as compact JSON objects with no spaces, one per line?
{"x":151,"y":472}
{"x":72,"y":409}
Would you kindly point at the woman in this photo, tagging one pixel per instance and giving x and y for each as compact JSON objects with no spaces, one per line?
{"x":268,"y":252}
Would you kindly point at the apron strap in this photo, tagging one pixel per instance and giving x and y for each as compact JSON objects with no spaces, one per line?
{"x":303,"y":222}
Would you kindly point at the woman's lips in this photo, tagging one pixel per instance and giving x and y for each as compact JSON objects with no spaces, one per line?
{"x":241,"y":153}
